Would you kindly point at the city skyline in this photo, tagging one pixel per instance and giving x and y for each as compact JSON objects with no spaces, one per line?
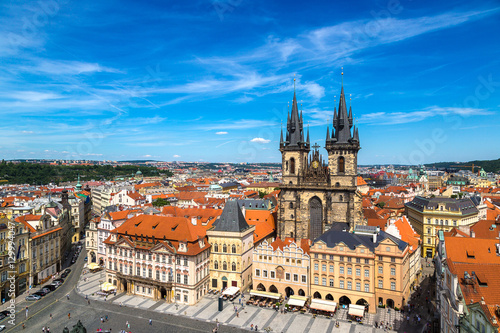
{"x":211,"y":81}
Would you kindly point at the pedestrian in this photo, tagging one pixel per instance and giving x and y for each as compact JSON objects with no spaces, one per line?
{"x":43,"y":329}
{"x":106,"y":317}
{"x":88,"y":302}
{"x":48,"y":329}
{"x":23,"y":326}
{"x":67,"y":296}
{"x":251,"y":327}
{"x":51,"y":316}
{"x":69,"y":315}
{"x":102,"y":320}
{"x":150,"y":321}
{"x":237,"y":314}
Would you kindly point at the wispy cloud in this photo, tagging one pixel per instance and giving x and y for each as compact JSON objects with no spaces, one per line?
{"x":239,"y":124}
{"x":394,"y":118}
{"x":221,"y":133}
{"x":68,"y":67}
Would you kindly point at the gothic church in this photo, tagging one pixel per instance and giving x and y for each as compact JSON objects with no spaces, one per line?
{"x":315,"y":194}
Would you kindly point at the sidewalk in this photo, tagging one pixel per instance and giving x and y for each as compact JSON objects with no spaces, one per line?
{"x":207,"y":309}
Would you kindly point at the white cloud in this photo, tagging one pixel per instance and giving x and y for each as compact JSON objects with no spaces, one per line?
{"x":260,"y":140}
{"x":393,"y":118}
{"x":221,"y":133}
{"x":146,"y":156}
{"x":314,"y":89}
{"x":27,"y":132}
{"x":177,"y":156}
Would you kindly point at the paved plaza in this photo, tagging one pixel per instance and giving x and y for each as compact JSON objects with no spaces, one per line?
{"x":207,"y":310}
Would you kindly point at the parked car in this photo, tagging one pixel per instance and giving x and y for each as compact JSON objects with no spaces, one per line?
{"x":6,"y":312}
{"x":33,"y":297}
{"x":46,"y":289}
{"x":50,"y":287}
{"x":40,"y":293}
{"x":59,"y":281}
{"x":2,"y":328}
{"x":66,"y":272}
{"x":85,"y":259}
{"x":56,"y":284}
{"x":2,"y":316}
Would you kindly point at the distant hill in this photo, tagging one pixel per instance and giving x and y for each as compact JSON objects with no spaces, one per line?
{"x":487,"y":165}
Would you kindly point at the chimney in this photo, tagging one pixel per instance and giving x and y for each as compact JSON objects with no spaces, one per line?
{"x":472,"y":234}
{"x":243,"y":211}
{"x":375,"y":238}
{"x":194,"y":221}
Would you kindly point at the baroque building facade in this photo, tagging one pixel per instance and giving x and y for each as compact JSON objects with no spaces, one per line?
{"x":315,"y":193}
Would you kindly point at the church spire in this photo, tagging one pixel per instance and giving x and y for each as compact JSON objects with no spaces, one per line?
{"x":295,"y":125}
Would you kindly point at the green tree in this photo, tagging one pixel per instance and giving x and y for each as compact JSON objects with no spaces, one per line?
{"x":160,"y":202}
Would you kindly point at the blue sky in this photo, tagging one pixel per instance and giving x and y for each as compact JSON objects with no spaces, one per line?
{"x":210,"y":81}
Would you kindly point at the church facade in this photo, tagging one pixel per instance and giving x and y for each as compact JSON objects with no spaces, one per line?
{"x":315,"y":193}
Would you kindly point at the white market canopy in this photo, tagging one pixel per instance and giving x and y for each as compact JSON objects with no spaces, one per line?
{"x":356,"y":310}
{"x":323,"y":305}
{"x":265,"y":294}
{"x":297,"y":300}
{"x":230,"y":291}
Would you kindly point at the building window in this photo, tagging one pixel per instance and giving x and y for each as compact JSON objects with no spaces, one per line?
{"x":349,"y":259}
{"x":349,"y":271}
{"x":273,"y":274}
{"x":367,"y":261}
{"x":341,"y":258}
{"x":264,"y":273}
{"x":185,"y":279}
{"x":341,"y":269}
{"x":429,"y":231}
{"x":393,"y":271}
{"x":341,"y":284}
{"x":323,"y":267}
{"x":178,"y":278}
{"x":150,"y":275}
{"x":331,"y":268}
{"x":331,"y":257}
{"x":358,"y":271}
{"x":323,"y":281}
{"x":393,"y":259}
{"x":367,"y":273}
{"x":224,"y":248}
{"x":380,"y":270}
{"x":216,"y":247}
{"x":393,"y":285}
{"x":380,"y":284}
{"x":358,"y":260}
{"x":224,"y":266}
{"x":380,"y":258}
{"x":257,"y":272}
{"x":367,"y":288}
{"x":316,"y":266}
{"x":233,"y":248}
{"x":216,"y":264}
{"x":341,"y":164}
{"x":158,"y":275}
{"x":349,"y":285}
{"x":287,"y":276}
{"x":316,"y":280}
{"x":138,"y":271}
{"x":304,"y":279}
{"x":358,"y":286}
{"x":316,"y":256}
{"x":233,"y":267}
{"x":331,"y":282}
{"x":292,"y":165}
{"x":455,"y":223}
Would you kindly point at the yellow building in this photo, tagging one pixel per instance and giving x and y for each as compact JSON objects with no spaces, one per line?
{"x":231,"y":238}
{"x":367,"y":267}
{"x":429,"y":215}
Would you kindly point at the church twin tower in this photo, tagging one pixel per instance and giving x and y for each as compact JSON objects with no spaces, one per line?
{"x":315,"y":195}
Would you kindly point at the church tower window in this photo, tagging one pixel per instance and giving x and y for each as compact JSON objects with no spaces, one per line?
{"x":341,"y":164}
{"x":292,"y":165}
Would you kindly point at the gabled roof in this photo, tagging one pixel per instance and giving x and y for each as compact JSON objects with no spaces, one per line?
{"x":231,"y":219}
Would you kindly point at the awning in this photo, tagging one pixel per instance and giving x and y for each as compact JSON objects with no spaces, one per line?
{"x":93,"y":265}
{"x":265,"y":294}
{"x":356,"y":310}
{"x":297,"y":300}
{"x":231,"y":291}
{"x":106,"y":286}
{"x":324,"y":305}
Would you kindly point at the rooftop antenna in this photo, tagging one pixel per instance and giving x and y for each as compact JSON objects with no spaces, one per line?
{"x":294,"y":83}
{"x":342,"y":73}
